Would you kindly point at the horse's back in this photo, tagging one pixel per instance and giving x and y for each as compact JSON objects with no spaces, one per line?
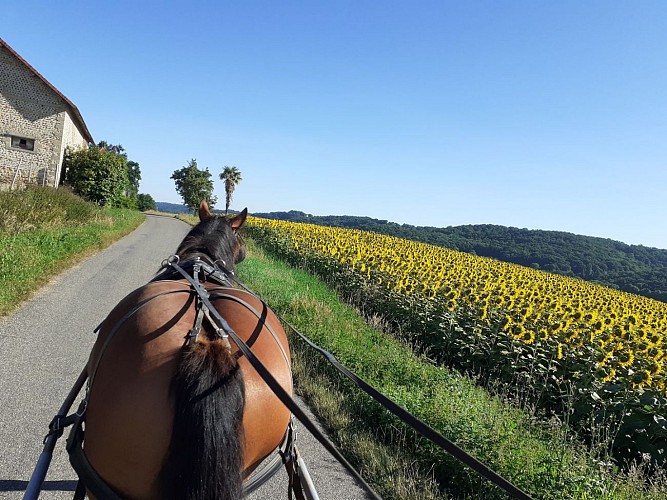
{"x":130,"y":408}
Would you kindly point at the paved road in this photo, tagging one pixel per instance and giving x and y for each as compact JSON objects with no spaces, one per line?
{"x":45,"y":344}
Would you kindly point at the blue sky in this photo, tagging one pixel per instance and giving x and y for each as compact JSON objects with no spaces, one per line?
{"x":544,"y":115}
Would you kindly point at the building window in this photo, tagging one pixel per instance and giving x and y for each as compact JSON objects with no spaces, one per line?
{"x":23,"y":143}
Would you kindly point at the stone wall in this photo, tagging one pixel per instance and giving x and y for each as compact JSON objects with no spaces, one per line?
{"x":31,"y":109}
{"x":71,"y":137}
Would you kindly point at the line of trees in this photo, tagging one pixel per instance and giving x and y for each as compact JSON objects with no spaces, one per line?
{"x":194,"y":185}
{"x":102,"y":173}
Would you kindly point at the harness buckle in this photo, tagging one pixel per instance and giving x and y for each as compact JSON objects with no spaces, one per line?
{"x":224,"y":336}
{"x":60,"y":422}
{"x":196,"y":269}
{"x":202,"y":310}
{"x":82,"y":407}
{"x":55,"y":428}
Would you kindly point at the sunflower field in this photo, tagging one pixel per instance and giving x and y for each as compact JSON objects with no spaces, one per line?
{"x":590,"y":356}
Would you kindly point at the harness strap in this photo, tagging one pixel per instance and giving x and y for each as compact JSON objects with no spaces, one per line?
{"x":89,"y":479}
{"x":210,"y":271}
{"x":291,"y":461}
{"x":219,"y":331}
{"x":226,"y":296}
{"x":116,"y":328}
{"x":82,"y":466}
{"x":264,"y":472}
{"x":418,"y":425}
{"x":80,"y":492}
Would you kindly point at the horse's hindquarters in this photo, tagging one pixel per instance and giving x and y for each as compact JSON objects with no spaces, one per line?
{"x":131,"y":406}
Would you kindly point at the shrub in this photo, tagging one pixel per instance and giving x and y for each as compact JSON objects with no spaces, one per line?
{"x":96,"y":174}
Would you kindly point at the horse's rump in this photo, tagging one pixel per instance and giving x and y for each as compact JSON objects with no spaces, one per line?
{"x":143,"y":375}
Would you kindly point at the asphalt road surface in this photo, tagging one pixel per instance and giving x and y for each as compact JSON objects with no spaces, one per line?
{"x":45,"y":345}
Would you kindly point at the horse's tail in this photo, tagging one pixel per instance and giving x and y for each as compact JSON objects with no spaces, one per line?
{"x":206,"y":452}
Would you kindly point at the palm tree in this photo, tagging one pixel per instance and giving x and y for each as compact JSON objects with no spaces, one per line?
{"x":231,"y":176}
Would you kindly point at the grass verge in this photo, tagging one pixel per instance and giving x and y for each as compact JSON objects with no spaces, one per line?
{"x":45,"y":231}
{"x":541,"y":460}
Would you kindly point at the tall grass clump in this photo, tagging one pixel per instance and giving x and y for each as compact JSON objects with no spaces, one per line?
{"x":44,"y":208}
{"x":45,"y":230}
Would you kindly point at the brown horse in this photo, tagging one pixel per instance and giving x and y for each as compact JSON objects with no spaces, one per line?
{"x":172,"y":414}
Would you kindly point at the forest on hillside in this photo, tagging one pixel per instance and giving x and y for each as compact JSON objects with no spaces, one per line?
{"x":631,"y":268}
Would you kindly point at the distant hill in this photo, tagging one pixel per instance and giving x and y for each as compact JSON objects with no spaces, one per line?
{"x":631,"y":268}
{"x":176,"y":208}
{"x":173,"y":208}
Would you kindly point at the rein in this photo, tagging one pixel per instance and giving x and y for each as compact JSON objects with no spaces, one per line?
{"x":273,"y":384}
{"x":406,"y":417}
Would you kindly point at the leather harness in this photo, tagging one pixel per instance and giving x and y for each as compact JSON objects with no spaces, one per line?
{"x":196,"y":271}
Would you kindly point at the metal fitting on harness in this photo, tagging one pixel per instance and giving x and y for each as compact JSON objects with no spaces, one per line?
{"x":202,"y":310}
{"x":60,"y":422}
{"x":172,"y":259}
{"x":224,"y":336}
{"x":196,"y":269}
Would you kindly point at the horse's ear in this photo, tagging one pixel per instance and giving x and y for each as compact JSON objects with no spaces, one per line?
{"x":238,"y":221}
{"x":204,"y":212}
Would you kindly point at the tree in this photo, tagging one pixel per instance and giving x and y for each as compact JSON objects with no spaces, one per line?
{"x":133,"y":178}
{"x":96,"y":174}
{"x":112,"y":148}
{"x":231,"y":176}
{"x":133,"y":171}
{"x":145,"y":202}
{"x":194,"y":185}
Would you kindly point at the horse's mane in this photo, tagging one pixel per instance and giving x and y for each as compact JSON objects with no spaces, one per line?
{"x":215,"y":238}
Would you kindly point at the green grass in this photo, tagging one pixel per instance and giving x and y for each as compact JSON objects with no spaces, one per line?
{"x":44,"y":231}
{"x":540,"y":459}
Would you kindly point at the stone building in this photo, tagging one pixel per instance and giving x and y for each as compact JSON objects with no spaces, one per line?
{"x":37,"y":123}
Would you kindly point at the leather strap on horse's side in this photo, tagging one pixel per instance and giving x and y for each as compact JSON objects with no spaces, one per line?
{"x":290,"y":460}
{"x":82,"y":466}
{"x":80,"y":491}
{"x":116,"y":328}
